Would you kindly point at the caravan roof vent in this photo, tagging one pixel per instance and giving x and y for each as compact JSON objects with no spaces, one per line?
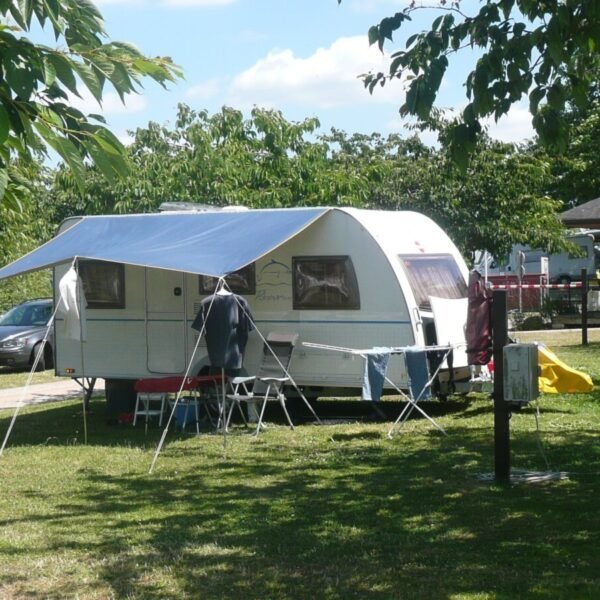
{"x":234,"y":208}
{"x":186,"y":207}
{"x":172,"y":206}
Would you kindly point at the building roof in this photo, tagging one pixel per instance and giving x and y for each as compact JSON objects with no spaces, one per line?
{"x":585,"y":215}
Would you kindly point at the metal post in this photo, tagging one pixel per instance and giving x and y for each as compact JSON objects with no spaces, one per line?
{"x":501,"y":409}
{"x":584,"y":307}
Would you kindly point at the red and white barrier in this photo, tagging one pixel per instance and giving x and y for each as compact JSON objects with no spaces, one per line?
{"x":535,"y":286}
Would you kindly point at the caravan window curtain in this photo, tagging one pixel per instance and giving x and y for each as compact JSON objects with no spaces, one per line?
{"x":437,"y":276}
{"x":324,"y":283}
{"x":103,"y":283}
{"x":240,"y":282}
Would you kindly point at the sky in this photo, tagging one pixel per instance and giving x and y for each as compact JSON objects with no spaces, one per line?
{"x":302,"y":57}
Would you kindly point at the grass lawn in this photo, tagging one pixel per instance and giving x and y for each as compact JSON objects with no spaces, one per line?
{"x":9,"y":378}
{"x":337,"y":511}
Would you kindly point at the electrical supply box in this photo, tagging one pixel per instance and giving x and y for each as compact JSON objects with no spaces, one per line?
{"x":520,"y":373}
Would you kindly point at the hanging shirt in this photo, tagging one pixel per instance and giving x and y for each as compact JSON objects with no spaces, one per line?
{"x":72,"y":305}
{"x":227,"y":321}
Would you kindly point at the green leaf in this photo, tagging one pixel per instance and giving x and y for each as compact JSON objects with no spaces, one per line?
{"x":49,"y":72}
{"x":121,"y":81}
{"x":26,"y":7}
{"x":513,"y":72}
{"x":110,"y":165}
{"x":90,"y":79}
{"x":373,"y":35}
{"x":436,"y":23}
{"x":108,"y":141}
{"x":52,"y":10}
{"x":11,"y":200}
{"x":65,"y":149}
{"x":4,"y":125}
{"x":3,"y":180}
{"x":17,"y":15}
{"x":556,"y":97}
{"x":555,"y":41}
{"x":64,"y":71}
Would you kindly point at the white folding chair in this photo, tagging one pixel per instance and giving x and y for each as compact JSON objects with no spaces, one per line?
{"x":267,"y":385}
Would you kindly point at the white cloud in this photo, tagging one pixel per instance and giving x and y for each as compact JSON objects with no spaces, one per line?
{"x":326,"y":79}
{"x":125,"y":137}
{"x":111,"y":104}
{"x":514,"y":127}
{"x":205,"y":89}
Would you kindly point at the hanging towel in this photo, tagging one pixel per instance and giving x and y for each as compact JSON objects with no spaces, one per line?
{"x":418,"y":374}
{"x":376,"y":363}
{"x":479,"y":321}
{"x":73,"y":305}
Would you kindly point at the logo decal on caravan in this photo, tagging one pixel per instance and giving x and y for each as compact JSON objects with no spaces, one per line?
{"x":274,"y":282}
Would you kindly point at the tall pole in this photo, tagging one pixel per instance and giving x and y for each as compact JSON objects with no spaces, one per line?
{"x":501,"y":409}
{"x":584,"y":307}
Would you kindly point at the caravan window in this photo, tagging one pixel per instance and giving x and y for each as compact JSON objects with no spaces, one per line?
{"x":103,"y":283}
{"x":437,"y":276}
{"x":240,"y":282}
{"x":324,"y":282}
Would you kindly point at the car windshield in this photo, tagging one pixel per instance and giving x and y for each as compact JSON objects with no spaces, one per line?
{"x":27,"y":315}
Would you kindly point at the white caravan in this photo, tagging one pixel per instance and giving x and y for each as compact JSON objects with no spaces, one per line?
{"x":350,"y":278}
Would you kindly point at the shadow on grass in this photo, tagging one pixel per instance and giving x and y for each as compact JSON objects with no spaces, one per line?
{"x":33,"y":427}
{"x":376,"y":522}
{"x":294,"y":515}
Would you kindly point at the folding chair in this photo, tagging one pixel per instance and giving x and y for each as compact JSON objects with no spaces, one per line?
{"x":267,"y":385}
{"x":149,"y":404}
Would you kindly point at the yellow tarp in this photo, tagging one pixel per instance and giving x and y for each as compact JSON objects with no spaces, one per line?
{"x":558,"y":378}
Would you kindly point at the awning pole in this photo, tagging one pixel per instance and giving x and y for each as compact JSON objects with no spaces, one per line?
{"x":81,"y":350}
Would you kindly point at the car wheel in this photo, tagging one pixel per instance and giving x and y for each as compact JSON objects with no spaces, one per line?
{"x":41,"y":366}
{"x":48,"y":356}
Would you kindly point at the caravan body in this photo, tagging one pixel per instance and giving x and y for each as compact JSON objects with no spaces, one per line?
{"x":350,"y":278}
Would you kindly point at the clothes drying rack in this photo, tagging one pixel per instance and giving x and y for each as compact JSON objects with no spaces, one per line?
{"x":413,"y":403}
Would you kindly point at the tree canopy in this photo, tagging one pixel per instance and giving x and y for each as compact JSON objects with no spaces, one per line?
{"x":221,"y":159}
{"x":37,"y":82}
{"x":546,"y":50}
{"x":267,"y":161}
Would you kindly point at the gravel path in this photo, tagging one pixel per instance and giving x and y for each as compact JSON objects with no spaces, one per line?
{"x":44,"y":392}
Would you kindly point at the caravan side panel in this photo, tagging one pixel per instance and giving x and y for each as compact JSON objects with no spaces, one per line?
{"x":127,"y":342}
{"x":382,"y":320}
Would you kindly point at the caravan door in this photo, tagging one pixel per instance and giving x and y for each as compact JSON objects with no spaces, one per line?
{"x":440,"y":293}
{"x":165,"y":321}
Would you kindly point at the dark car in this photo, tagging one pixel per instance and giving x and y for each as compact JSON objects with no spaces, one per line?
{"x":22,"y":331}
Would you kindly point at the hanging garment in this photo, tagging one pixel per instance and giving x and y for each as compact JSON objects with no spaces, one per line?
{"x":376,"y":363}
{"x":418,"y":373}
{"x":72,"y":306}
{"x":227,"y":321}
{"x":479,"y":322}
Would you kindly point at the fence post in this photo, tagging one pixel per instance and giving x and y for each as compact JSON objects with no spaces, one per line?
{"x":584,"y":307}
{"x":501,"y":409}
